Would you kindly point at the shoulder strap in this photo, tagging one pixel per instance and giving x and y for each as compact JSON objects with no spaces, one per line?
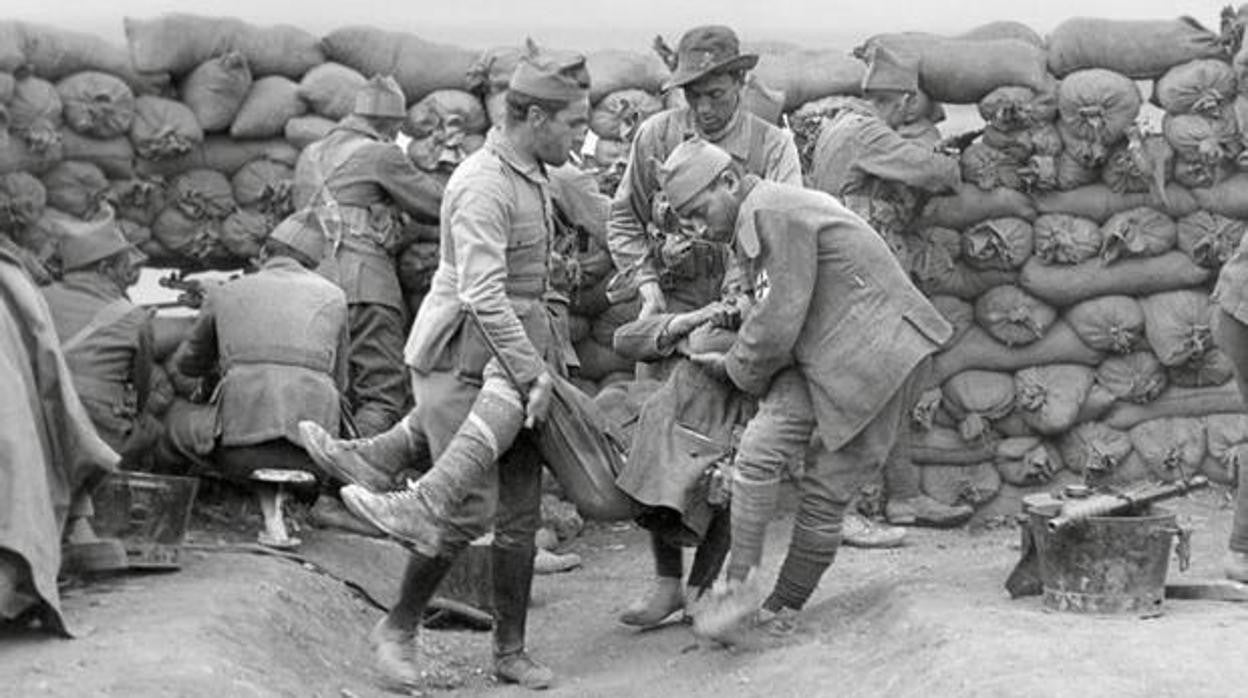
{"x":103,"y":317}
{"x":756,"y":159}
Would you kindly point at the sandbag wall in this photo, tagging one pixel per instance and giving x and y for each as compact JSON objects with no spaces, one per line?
{"x":1076,"y":264}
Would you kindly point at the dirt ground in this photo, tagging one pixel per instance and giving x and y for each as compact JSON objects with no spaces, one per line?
{"x":929,"y":619}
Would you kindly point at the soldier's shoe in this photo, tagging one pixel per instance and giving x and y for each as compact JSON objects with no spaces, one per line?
{"x":519,"y":668}
{"x":397,"y":654}
{"x":1236,"y":566}
{"x":925,"y":511}
{"x":345,"y":460}
{"x":662,"y":600}
{"x":406,"y":515}
{"x":547,"y":562}
{"x":857,"y":531}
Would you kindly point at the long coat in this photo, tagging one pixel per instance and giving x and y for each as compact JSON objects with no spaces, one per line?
{"x":832,"y":300}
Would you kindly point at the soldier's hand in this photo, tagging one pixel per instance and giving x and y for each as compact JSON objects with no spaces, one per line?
{"x":713,"y":363}
{"x":652,"y":300}
{"x":538,"y":404}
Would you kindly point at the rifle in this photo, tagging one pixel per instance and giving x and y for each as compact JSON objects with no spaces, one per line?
{"x":191,"y":292}
{"x":954,"y":145}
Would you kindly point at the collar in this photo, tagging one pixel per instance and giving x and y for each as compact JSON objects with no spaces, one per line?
{"x":746,"y":233}
{"x":735,"y":138}
{"x":281,"y":262}
{"x":501,"y":146}
{"x":94,"y":284}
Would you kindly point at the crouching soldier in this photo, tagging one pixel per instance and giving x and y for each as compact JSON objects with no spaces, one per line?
{"x":278,"y":340}
{"x":839,"y":336}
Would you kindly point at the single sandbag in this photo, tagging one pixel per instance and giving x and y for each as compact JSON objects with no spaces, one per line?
{"x":330,"y":88}
{"x":1205,"y":370}
{"x":1140,"y":232}
{"x":1067,"y":285}
{"x":1065,"y":239}
{"x":202,"y":194}
{"x":1012,"y":108}
{"x":619,"y":114}
{"x":1001,"y":243}
{"x":446,"y":109}
{"x":1037,"y":463}
{"x":1137,"y":377}
{"x":960,"y":484}
{"x":1201,"y":174}
{"x":807,"y":75}
{"x":77,"y":188}
{"x":1042,"y":139}
{"x":272,"y":101}
{"x":1209,"y":239}
{"x":1003,"y":29}
{"x":186,"y":237}
{"x":978,"y":350}
{"x":96,"y":104}
{"x":223,"y":154}
{"x":1112,"y":324}
{"x":963,"y":72}
{"x":989,"y":168}
{"x":419,"y":66}
{"x":1202,"y":139}
{"x":1139,"y":49}
{"x":163,"y":128}
{"x":1099,"y":203}
{"x":1177,"y":324}
{"x":177,"y":43}
{"x":942,"y":446}
{"x":34,"y":113}
{"x":22,"y":201}
{"x":1177,"y":401}
{"x":114,"y":156}
{"x":1049,"y":397}
{"x":1013,"y":316}
{"x":243,"y":232}
{"x":54,"y":53}
{"x":962,"y":281}
{"x":612,"y":70}
{"x":264,"y":185}
{"x":1094,"y":449}
{"x":1202,"y":87}
{"x":976,"y":399}
{"x":1098,"y":105}
{"x":1143,"y":164}
{"x":303,"y":131}
{"x":1229,"y":198}
{"x":1172,"y":447}
{"x":215,"y":90}
{"x":971,"y":205}
{"x":138,"y":200}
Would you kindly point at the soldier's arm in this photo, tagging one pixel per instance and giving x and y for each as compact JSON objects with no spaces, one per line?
{"x":197,"y":356}
{"x":416,"y":192}
{"x":480,"y":221}
{"x":630,"y":209}
{"x":888,"y":155}
{"x":766,"y":339}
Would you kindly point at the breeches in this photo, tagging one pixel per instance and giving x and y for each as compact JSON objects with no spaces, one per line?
{"x":377,"y":389}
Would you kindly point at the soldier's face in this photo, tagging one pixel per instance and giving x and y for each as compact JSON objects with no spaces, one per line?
{"x":712,"y":212}
{"x":714,"y":100}
{"x":562,"y":132}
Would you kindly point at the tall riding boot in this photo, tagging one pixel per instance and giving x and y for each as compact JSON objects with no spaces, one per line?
{"x":513,"y":582}
{"x":371,"y":462}
{"x":414,"y":515}
{"x":394,"y":637}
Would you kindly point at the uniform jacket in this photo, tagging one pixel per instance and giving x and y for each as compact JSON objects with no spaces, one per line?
{"x":279,"y":339}
{"x":496,"y":233}
{"x":830,"y":299}
{"x":762,"y":149}
{"x":1231,"y":292}
{"x":110,"y":350}
{"x":368,"y":179}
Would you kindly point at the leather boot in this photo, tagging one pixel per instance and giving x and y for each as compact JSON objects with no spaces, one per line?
{"x":394,"y":638}
{"x":513,"y":582}
{"x":925,"y":511}
{"x":414,"y":515}
{"x":664,"y":598}
{"x":372,"y":462}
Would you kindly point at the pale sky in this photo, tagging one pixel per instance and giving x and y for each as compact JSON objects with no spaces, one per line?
{"x":586,"y":24}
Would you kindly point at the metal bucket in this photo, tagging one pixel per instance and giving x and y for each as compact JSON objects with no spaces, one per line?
{"x":149,"y":513}
{"x":1107,"y":564}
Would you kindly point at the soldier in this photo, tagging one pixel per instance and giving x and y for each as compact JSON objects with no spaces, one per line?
{"x":673,"y":271}
{"x":107,"y":340}
{"x":861,"y":159}
{"x":357,"y":179}
{"x":490,"y":294}
{"x":839,"y":337}
{"x":1230,"y":328}
{"x":278,"y":338}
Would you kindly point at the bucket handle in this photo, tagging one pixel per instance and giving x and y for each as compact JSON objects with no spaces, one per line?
{"x":1184,"y":548}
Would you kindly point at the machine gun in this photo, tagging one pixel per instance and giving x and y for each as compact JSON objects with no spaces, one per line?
{"x":190,"y":291}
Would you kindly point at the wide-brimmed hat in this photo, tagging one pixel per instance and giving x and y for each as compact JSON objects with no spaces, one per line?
{"x":87,"y":242}
{"x":706,"y":50}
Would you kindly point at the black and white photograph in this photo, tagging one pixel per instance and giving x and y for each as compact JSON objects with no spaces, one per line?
{"x":759,"y":348}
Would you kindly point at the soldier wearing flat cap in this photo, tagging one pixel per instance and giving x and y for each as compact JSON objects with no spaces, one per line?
{"x":881,"y":175}
{"x":106,"y":338}
{"x":838,"y":337}
{"x":278,"y":339}
{"x":675,"y":272}
{"x":358,"y":181}
{"x":488,"y":344}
